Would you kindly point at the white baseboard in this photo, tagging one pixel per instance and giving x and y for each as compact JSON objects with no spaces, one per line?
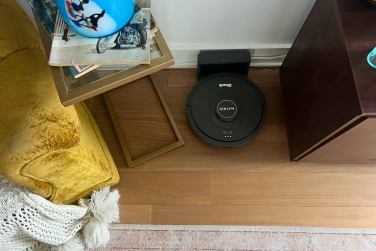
{"x":262,"y":55}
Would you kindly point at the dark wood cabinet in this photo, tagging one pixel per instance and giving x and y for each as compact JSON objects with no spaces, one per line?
{"x":329,"y":89}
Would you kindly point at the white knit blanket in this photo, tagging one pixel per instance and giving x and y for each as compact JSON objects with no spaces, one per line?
{"x":30,"y":222}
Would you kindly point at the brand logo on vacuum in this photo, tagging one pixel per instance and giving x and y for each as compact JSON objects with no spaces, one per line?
{"x":225,"y":85}
{"x":227,"y":108}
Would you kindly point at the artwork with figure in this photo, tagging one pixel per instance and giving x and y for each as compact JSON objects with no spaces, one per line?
{"x":79,"y":19}
{"x":131,"y":45}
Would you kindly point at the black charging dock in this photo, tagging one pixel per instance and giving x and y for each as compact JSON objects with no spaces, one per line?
{"x":225,"y":109}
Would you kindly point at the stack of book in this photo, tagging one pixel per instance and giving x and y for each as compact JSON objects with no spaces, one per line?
{"x":129,"y":46}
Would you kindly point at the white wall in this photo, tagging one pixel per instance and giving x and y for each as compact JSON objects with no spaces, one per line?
{"x":265,"y":27}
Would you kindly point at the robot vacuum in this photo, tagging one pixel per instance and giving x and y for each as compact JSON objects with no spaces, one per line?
{"x":225,"y":109}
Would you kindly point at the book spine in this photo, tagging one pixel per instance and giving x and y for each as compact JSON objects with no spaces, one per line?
{"x":80,"y":70}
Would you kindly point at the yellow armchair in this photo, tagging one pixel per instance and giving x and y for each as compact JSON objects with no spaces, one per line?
{"x":56,"y":152}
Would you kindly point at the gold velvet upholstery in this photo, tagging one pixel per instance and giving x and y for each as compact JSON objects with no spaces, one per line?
{"x":57,"y":152}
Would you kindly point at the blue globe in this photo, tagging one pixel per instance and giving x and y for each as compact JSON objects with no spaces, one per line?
{"x":96,"y":18}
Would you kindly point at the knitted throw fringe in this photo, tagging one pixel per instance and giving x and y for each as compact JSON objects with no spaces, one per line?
{"x":30,"y":222}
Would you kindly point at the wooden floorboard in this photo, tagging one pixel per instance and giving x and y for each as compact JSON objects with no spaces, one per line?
{"x":90,"y":103}
{"x":253,"y":185}
{"x":176,"y":98}
{"x":138,"y":127}
{"x":182,"y":78}
{"x":341,"y":217}
{"x":139,"y":96}
{"x":136,"y":148}
{"x":267,"y":153}
{"x":159,"y":188}
{"x":135,"y":214}
{"x":264,"y":76}
{"x":162,"y":77}
{"x":294,"y":189}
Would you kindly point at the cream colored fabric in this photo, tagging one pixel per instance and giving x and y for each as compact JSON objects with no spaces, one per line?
{"x":57,"y":152}
{"x":30,"y":222}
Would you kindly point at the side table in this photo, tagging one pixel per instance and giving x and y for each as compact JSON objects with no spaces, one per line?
{"x":72,"y":90}
{"x":329,"y":89}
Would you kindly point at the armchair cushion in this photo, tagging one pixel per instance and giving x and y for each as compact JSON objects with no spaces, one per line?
{"x":55,"y":151}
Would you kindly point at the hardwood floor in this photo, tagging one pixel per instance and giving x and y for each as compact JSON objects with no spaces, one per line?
{"x":253,"y":185}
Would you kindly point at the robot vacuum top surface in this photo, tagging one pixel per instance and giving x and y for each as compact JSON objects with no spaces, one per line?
{"x":226,"y":106}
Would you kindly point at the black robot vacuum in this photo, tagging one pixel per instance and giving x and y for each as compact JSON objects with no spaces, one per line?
{"x":225,"y":109}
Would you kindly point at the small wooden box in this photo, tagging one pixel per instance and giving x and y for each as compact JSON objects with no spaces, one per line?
{"x":329,"y":89}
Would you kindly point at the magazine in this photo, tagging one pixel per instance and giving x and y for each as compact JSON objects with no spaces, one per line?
{"x":128,"y":46}
{"x":46,"y":11}
{"x":79,"y":70}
